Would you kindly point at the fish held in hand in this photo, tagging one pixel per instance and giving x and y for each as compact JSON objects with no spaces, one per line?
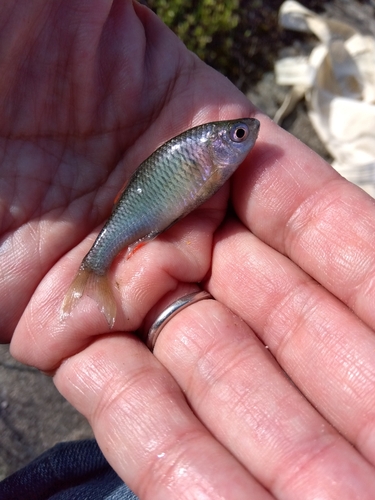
{"x":178,"y":177}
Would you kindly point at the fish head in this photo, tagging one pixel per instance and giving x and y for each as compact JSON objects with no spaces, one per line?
{"x":231,"y":141}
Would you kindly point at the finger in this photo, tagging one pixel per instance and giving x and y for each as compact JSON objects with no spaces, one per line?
{"x":243,"y":397}
{"x":300,"y":206}
{"x":181,"y":255}
{"x":146,"y":429}
{"x":320,"y":343}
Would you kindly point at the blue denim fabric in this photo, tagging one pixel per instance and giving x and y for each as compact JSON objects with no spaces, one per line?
{"x":74,"y":470}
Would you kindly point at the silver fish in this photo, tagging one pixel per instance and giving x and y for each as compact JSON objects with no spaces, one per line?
{"x":178,"y":177}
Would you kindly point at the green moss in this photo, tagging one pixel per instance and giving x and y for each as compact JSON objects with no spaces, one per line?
{"x":239,"y":38}
{"x":197,"y":22}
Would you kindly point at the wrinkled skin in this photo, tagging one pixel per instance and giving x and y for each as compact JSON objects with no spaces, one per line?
{"x":88,"y":90}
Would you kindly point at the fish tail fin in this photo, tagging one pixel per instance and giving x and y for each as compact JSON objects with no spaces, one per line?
{"x":96,"y":286}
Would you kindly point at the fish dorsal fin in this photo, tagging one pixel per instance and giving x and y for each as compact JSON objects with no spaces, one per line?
{"x":119,"y":194}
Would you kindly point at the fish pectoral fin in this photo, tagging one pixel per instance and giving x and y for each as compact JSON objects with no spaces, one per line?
{"x":134,"y":247}
{"x":97,"y":287}
{"x":209,"y":188}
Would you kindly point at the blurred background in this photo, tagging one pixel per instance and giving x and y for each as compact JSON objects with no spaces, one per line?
{"x":241,"y":39}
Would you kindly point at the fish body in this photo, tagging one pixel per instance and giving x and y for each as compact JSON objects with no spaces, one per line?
{"x":178,"y":177}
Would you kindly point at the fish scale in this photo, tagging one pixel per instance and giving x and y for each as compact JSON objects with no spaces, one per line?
{"x":179,"y":176}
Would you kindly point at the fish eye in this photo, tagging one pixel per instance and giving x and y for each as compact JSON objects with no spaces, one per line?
{"x":239,"y":132}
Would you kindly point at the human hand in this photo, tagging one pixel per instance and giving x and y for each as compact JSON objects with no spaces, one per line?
{"x":211,"y":413}
{"x":103,"y":86}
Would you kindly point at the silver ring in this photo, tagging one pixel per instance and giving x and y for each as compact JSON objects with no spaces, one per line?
{"x":171,"y":311}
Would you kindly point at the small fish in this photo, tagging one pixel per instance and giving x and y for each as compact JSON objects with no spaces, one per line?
{"x":178,"y":177}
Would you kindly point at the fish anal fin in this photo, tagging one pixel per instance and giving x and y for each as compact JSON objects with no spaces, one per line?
{"x":134,"y":247}
{"x":97,"y":287}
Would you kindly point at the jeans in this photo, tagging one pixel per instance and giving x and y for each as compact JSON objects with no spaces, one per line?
{"x":74,"y":470}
